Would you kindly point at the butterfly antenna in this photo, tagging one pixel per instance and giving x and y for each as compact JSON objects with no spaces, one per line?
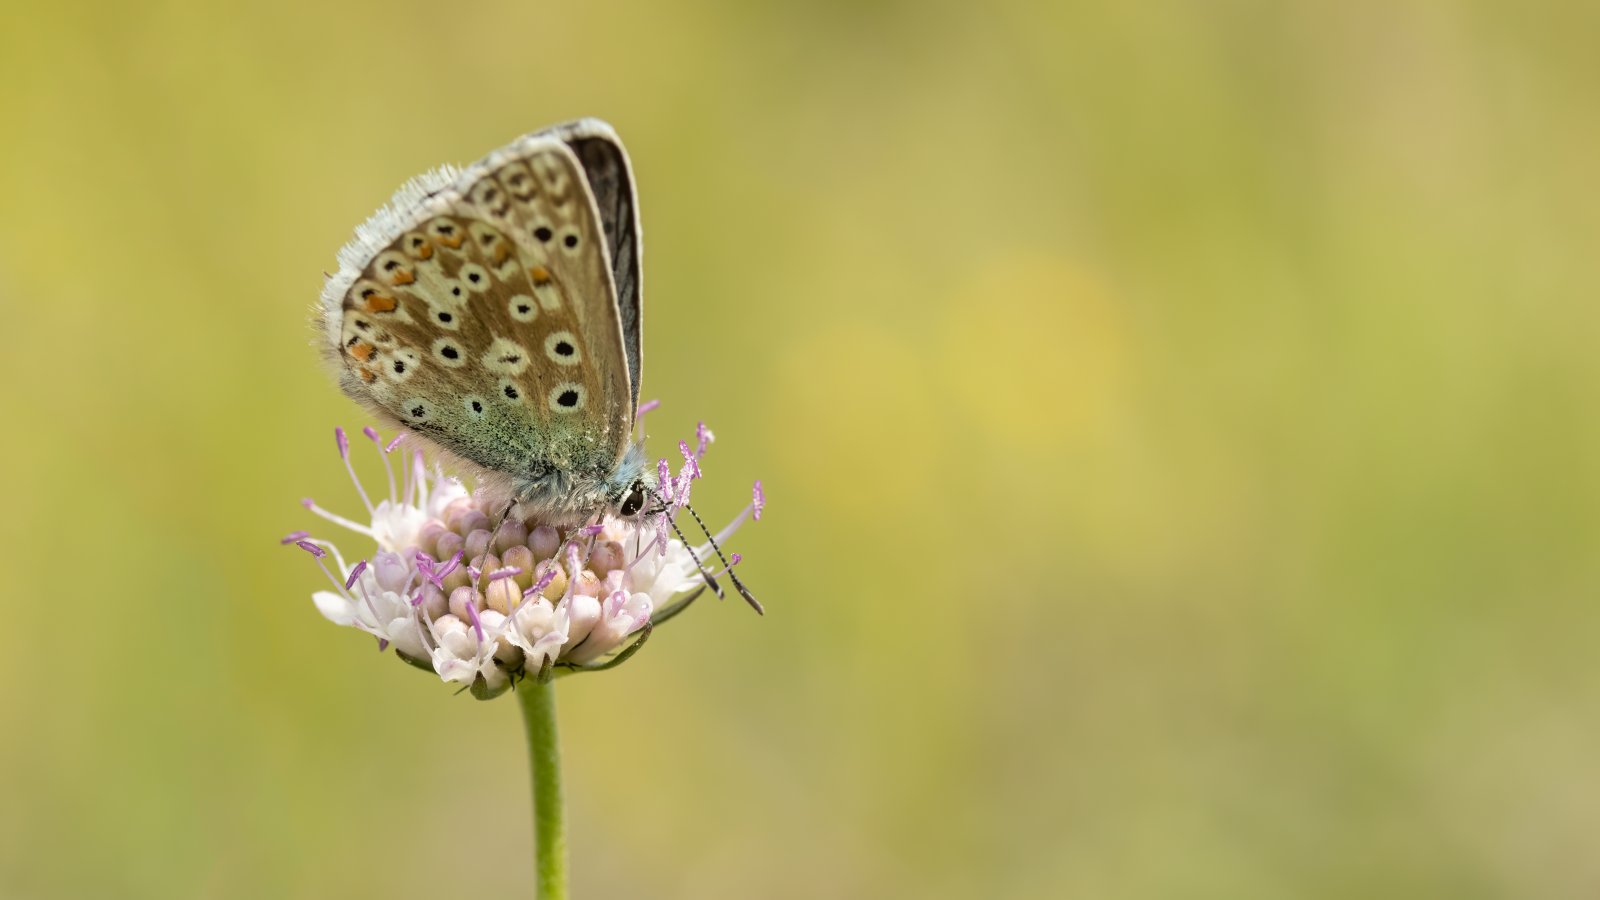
{"x":710,"y":581}
{"x":732,"y":576}
{"x":663,"y":510}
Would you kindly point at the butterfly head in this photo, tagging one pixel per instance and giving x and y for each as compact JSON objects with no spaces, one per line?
{"x":633,"y":503}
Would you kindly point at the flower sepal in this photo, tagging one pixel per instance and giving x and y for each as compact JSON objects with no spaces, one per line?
{"x":612,"y":661}
{"x":483,"y":690}
{"x":414,"y":661}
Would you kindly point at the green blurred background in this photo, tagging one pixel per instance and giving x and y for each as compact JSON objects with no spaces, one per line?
{"x":1177,"y":420}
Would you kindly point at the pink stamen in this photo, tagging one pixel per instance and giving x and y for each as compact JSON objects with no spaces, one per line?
{"x":704,"y":437}
{"x":638,"y":417}
{"x":727,"y":531}
{"x":322,"y":564}
{"x":341,"y":521}
{"x":662,"y":539}
{"x":680,"y":488}
{"x":643,"y":552}
{"x":367,"y":599}
{"x":760,"y":501}
{"x":425,"y":567}
{"x":733,"y":560}
{"x":395,"y":443}
{"x":344,"y":454}
{"x":574,"y":569}
{"x":503,"y":574}
{"x":435,"y":573}
{"x":420,"y":483}
{"x":477,"y":626}
{"x":388,"y":470}
{"x":406,"y":473}
{"x":354,"y":574}
{"x":691,"y":462}
{"x":539,"y":586}
{"x":664,"y":480}
{"x":294,"y":536}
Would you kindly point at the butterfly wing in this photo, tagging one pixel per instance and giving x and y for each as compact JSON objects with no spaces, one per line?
{"x":610,"y":176}
{"x":480,"y":309}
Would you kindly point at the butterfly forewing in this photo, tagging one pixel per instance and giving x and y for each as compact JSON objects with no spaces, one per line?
{"x":491,"y":322}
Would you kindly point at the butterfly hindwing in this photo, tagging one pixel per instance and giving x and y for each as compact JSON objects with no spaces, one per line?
{"x":610,"y":175}
{"x":487,"y":316}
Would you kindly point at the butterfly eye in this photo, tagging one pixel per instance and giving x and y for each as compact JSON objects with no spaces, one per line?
{"x":634,"y":502}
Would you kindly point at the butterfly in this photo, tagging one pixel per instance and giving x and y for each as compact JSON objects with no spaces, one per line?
{"x":496,"y":310}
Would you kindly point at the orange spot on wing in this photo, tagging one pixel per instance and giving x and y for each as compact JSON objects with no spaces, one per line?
{"x":402,"y":276}
{"x":378,"y":303}
{"x":453,"y":242}
{"x":540,"y":275}
{"x":368,"y":375}
{"x":425,"y":251}
{"x":501,"y":251}
{"x":363,"y":351}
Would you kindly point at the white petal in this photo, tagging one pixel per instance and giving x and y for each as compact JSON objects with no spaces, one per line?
{"x":583,"y":612}
{"x":334,"y":607}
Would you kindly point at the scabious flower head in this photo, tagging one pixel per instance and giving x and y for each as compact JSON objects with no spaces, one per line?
{"x":456,"y":587}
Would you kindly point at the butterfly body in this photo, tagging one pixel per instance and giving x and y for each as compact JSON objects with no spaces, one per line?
{"x":496,"y":310}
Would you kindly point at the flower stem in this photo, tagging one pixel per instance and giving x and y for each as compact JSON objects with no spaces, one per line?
{"x":544,"y":767}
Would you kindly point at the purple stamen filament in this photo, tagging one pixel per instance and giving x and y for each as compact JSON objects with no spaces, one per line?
{"x":344,"y":455}
{"x":383,"y":457}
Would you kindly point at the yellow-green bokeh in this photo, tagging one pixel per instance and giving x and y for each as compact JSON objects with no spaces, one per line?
{"x":1178,"y":418}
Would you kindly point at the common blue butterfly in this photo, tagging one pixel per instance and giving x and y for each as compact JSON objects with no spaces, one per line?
{"x":496,"y":311}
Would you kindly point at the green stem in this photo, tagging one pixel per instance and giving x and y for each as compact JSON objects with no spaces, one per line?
{"x":544,"y":767}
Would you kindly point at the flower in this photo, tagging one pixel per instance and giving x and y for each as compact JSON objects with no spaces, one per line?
{"x":458,"y":588}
